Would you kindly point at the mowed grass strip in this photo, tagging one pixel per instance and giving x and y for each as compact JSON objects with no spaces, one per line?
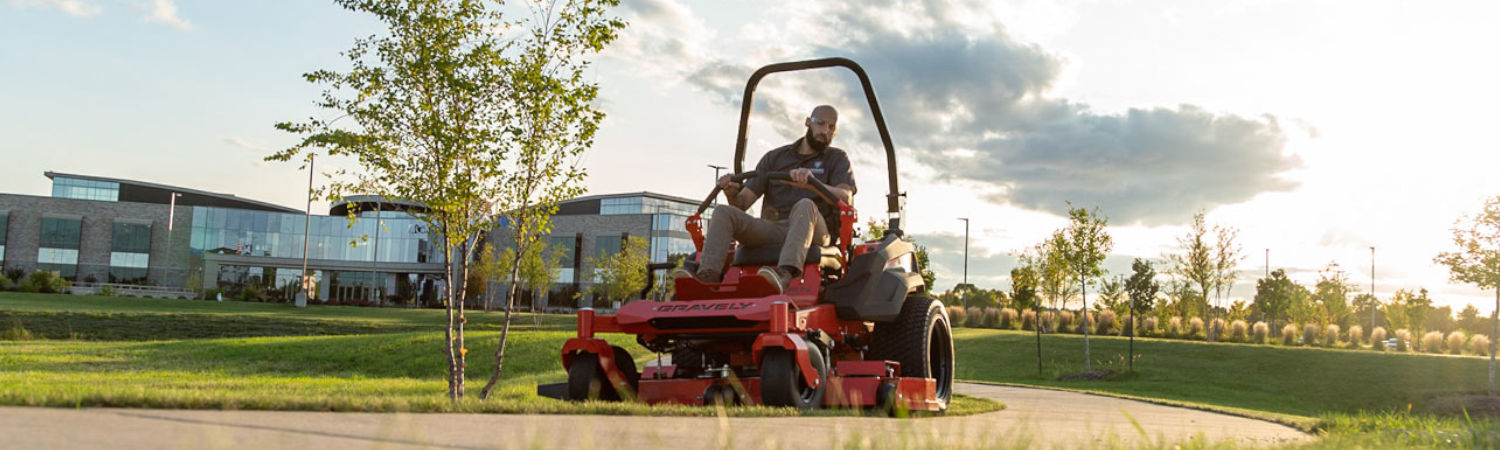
{"x":383,"y":371}
{"x":389,"y":319}
{"x":1285,"y":380}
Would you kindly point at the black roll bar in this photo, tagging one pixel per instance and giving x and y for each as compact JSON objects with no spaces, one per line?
{"x":893,"y":198}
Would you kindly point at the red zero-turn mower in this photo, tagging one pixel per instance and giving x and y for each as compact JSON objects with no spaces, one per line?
{"x":855,"y":330}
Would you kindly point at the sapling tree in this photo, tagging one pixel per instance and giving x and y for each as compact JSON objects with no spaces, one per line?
{"x":1477,"y":261}
{"x":479,"y":115}
{"x":1085,"y":243}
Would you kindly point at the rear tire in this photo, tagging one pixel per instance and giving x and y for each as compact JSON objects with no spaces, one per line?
{"x":781,"y":382}
{"x":922,"y":341}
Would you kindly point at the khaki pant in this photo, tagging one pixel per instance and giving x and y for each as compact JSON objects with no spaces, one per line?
{"x":805,"y":227}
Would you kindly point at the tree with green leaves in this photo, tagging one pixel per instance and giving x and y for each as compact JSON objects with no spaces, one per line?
{"x":1274,"y":297}
{"x":1477,"y":261}
{"x":1054,"y":274}
{"x":483,"y":129}
{"x":1195,"y":264}
{"x":1408,"y":309}
{"x":620,"y":276}
{"x":1366,"y":305}
{"x":1228,"y":254}
{"x":1084,"y":245}
{"x":1331,"y":294}
{"x":1112,"y":295}
{"x":537,"y":269}
{"x":1141,"y":288}
{"x":1023,"y":280}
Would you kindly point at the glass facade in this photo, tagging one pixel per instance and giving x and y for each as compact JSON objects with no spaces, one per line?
{"x":258,"y":233}
{"x":58,"y":247}
{"x":644,"y":205}
{"x":669,"y":237}
{"x":63,"y":187}
{"x":606,"y":246}
{"x":130,"y":254}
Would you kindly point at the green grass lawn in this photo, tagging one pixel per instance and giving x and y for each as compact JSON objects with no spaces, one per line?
{"x":1351,"y":394}
{"x":108,"y":351}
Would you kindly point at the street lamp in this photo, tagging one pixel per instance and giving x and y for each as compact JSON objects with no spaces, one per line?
{"x":301,"y":301}
{"x":1373,"y":301}
{"x":965,"y":293}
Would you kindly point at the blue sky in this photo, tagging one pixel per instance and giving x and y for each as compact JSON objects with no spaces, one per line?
{"x":1318,"y":128}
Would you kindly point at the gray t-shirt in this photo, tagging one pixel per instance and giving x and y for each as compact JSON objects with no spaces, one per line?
{"x":831,"y":166}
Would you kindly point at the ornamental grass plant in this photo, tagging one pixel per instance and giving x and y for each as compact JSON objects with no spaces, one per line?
{"x":1108,"y":323}
{"x":1479,"y":345}
{"x":1028,"y":320}
{"x":1174,"y":327}
{"x":1217,"y":328}
{"x":1260,"y":332}
{"x":1008,"y":319}
{"x":1289,"y":335}
{"x":1432,"y":342}
{"x":1151,"y":326}
{"x":1377,"y":339}
{"x":958,"y":316}
{"x":1456,"y":342}
{"x":1356,"y":336}
{"x":1196,"y":328}
{"x":1310,"y":334}
{"x":1331,"y":335}
{"x":1239,"y":331}
{"x":1403,"y":340}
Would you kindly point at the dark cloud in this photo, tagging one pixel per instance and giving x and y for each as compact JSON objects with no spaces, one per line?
{"x":974,"y":106}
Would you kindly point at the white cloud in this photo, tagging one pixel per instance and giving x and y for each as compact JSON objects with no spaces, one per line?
{"x":75,"y":8}
{"x":164,"y":11}
{"x":260,"y":151}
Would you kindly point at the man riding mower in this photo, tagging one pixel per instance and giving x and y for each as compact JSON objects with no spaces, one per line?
{"x":784,"y":318}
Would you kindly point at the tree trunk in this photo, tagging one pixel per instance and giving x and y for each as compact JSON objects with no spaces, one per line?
{"x":458,"y":295}
{"x":448,"y":330}
{"x":510,"y":299}
{"x":1083,"y":292}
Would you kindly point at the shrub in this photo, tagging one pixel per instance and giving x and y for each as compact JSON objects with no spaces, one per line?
{"x":974,"y":317}
{"x":1479,"y":345}
{"x":15,"y":332}
{"x":1432,"y":342}
{"x":1377,"y":339}
{"x":1239,"y":331}
{"x":1403,"y":340}
{"x":1259,"y":332}
{"x":957,"y":316}
{"x":1064,"y":322}
{"x":991,"y":318}
{"x":46,"y":282}
{"x":1108,"y":324}
{"x":1028,"y":320}
{"x":1456,"y":342}
{"x":1356,"y":336}
{"x":1008,"y":318}
{"x":1174,"y":327}
{"x":105,"y":291}
{"x":1310,"y":334}
{"x":1217,"y":328}
{"x":1151,"y":326}
{"x":1127,"y":325}
{"x":5,"y":283}
{"x":1195,"y":328}
{"x":1289,"y":334}
{"x":1331,"y":335}
{"x":1085,"y":322}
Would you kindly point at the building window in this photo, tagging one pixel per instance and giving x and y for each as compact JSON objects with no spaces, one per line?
{"x":606,"y":246}
{"x":4,"y":228}
{"x":58,"y":249}
{"x":130,"y":255}
{"x":63,"y":187}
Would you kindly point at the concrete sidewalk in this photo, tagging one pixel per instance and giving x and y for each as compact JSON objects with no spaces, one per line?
{"x":1033,"y":418}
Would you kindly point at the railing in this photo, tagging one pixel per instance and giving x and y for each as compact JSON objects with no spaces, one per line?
{"x":131,"y":290}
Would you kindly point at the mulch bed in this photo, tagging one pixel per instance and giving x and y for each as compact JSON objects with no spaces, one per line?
{"x":1094,"y":375}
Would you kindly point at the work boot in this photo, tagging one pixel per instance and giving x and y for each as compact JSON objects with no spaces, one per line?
{"x":706,"y":276}
{"x":776,"y":276}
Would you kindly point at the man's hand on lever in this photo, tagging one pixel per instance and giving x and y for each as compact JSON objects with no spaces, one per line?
{"x":799,"y":180}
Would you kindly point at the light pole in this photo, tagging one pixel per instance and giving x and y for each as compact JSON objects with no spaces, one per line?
{"x":306,"y":229}
{"x":965,"y":294}
{"x":1373,"y":301}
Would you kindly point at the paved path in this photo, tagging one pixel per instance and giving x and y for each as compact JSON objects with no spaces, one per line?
{"x":1033,"y":418}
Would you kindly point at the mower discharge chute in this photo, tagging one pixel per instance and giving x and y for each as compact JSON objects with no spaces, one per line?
{"x":856,"y":329}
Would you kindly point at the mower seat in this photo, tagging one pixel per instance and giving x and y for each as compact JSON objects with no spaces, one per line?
{"x":826,"y":258}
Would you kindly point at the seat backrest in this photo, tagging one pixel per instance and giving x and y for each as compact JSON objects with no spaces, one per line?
{"x":770,"y":255}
